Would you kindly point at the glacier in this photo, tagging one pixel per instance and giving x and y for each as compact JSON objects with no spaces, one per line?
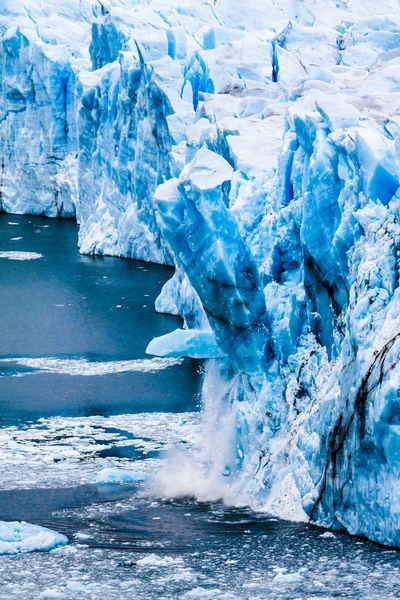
{"x":258,"y":152}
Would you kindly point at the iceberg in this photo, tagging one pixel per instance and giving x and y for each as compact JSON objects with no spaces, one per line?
{"x":258,"y":152}
{"x":20,"y":537}
{"x":185,"y":342}
{"x":118,"y":476}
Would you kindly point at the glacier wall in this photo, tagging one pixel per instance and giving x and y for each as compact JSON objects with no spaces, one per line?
{"x":258,"y":152}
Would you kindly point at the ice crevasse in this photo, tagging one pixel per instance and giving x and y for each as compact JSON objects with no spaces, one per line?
{"x":258,"y":152}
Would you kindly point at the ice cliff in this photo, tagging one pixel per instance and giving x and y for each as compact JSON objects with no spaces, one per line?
{"x":256,"y":147}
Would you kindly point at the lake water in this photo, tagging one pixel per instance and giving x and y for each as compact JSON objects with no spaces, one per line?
{"x":76,"y":395}
{"x":77,"y":309}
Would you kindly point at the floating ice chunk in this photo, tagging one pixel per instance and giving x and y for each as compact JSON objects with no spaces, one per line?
{"x":185,"y":342}
{"x":77,"y":587}
{"x":328,"y":535}
{"x":153,"y":560}
{"x":50,"y":593}
{"x":115,"y":475}
{"x":82,"y":536}
{"x":287,"y":577}
{"x":13,"y":255}
{"x":16,"y":537}
{"x":200,"y":593}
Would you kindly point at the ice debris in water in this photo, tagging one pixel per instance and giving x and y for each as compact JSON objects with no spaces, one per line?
{"x":20,"y":537}
{"x":258,"y":152}
{"x":155,"y":561}
{"x":328,"y":535}
{"x":51,"y":594}
{"x":288,"y":577}
{"x":14,"y":255}
{"x":116,"y":475}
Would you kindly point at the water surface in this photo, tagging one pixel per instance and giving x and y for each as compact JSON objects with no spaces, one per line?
{"x":81,"y":308}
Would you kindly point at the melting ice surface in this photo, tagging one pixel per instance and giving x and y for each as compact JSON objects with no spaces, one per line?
{"x":257,"y":151}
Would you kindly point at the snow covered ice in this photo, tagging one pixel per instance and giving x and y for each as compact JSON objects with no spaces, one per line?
{"x":258,"y":152}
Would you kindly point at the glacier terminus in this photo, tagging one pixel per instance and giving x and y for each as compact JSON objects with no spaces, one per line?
{"x":255,"y":147}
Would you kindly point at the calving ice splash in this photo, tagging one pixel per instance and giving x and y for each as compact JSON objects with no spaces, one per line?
{"x":257,"y":151}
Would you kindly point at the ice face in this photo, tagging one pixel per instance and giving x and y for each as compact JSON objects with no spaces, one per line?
{"x":257,"y":151}
{"x":205,"y":238}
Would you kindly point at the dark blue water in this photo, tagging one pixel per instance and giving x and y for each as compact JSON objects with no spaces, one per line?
{"x":64,"y":305}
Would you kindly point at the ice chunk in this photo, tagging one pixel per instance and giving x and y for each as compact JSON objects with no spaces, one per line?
{"x":77,"y":588}
{"x":116,"y":475}
{"x":50,"y":593}
{"x":20,"y":537}
{"x":328,"y":535}
{"x":15,"y":255}
{"x":288,"y":577}
{"x":186,"y":342}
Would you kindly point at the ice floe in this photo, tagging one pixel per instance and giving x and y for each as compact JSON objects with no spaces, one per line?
{"x":14,"y":255}
{"x":22,"y":537}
